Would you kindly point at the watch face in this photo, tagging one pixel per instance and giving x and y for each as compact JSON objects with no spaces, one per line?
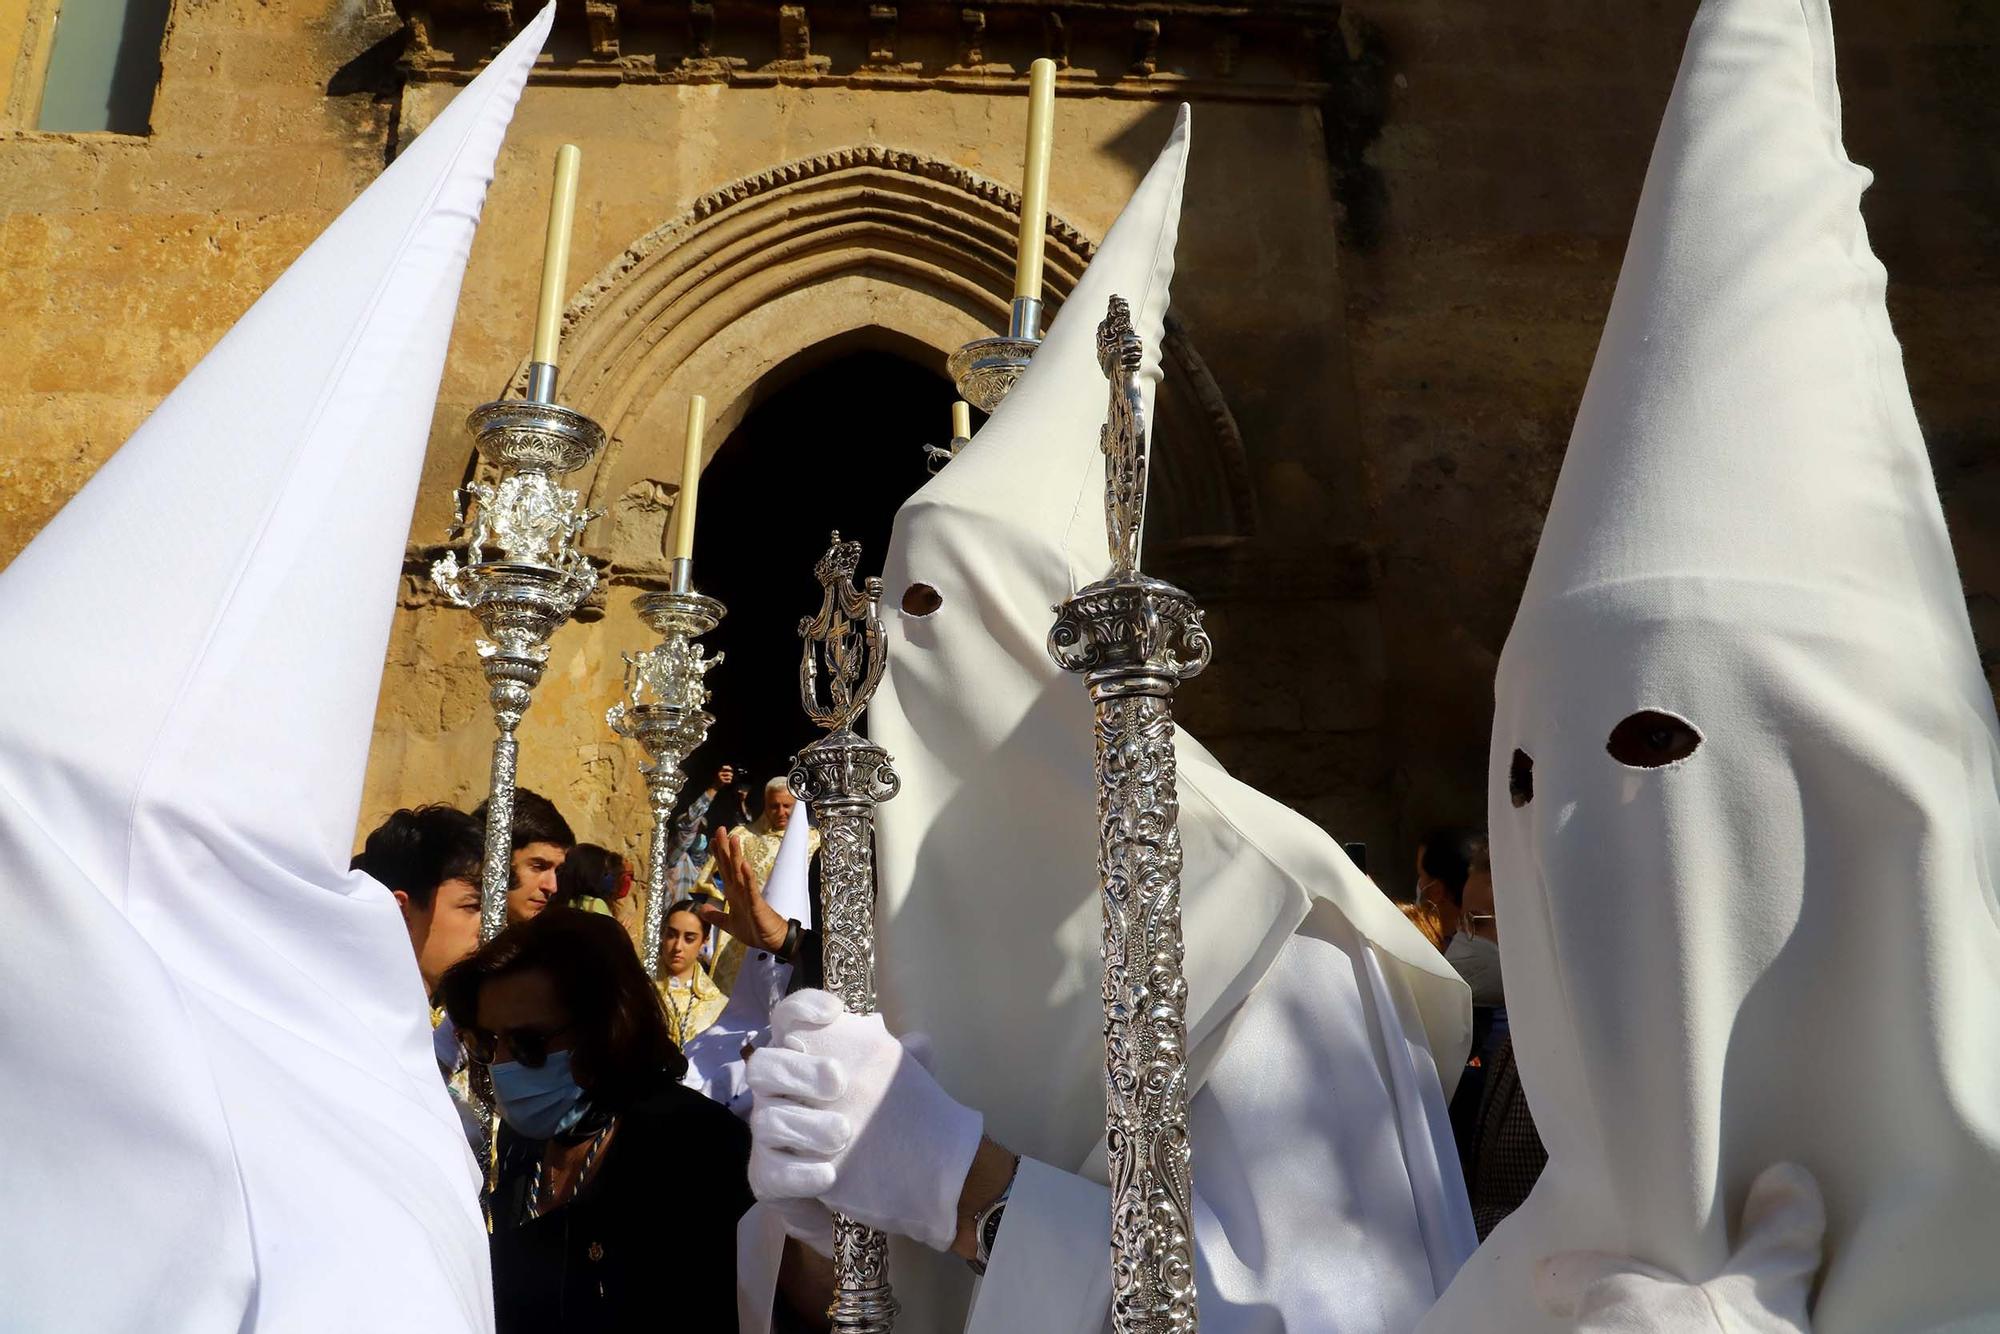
{"x":992,"y":1228}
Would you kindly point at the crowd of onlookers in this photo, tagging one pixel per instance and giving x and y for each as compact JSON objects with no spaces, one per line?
{"x":611,"y":1180}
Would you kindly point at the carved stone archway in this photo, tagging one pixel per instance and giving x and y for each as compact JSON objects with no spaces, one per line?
{"x":868,"y":243}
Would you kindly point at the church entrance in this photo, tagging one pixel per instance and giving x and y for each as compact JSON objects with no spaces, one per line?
{"x":837,"y":442}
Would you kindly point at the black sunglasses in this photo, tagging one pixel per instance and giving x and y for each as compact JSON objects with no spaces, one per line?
{"x":530,"y":1046}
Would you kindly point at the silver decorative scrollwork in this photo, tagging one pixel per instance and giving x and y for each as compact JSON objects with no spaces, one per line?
{"x":522,"y":577}
{"x":1135,"y":639}
{"x":664,"y":711}
{"x":842,"y":777}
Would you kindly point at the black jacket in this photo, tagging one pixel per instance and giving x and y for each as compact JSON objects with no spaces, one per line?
{"x":621,"y":1255}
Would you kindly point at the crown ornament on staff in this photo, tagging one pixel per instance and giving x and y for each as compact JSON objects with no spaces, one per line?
{"x":842,"y":777}
{"x":844,"y":637}
{"x":1134,"y":639}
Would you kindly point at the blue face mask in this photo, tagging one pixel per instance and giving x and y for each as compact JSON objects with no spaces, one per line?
{"x":540,"y":1103}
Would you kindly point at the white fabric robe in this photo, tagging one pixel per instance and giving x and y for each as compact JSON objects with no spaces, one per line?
{"x":1328,"y":1197}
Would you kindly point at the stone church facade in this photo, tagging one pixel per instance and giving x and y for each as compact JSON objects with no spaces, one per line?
{"x":1403,"y":222}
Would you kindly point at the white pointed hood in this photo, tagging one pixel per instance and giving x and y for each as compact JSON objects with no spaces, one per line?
{"x":715,"y":1056}
{"x":1781,"y":943}
{"x":215,"y":1035}
{"x":990,"y":919}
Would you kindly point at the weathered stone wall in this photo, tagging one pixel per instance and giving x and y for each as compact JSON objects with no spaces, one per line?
{"x":1395,"y":275}
{"x":1514,"y":139}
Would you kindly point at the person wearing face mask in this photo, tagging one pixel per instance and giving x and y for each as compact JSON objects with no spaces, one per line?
{"x":595,"y":1126}
{"x":1475,"y":949}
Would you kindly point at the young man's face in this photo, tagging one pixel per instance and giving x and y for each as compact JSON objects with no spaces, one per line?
{"x":452,"y":932}
{"x":534,"y":879}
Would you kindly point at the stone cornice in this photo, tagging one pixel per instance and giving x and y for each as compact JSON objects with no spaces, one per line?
{"x":1280,"y":51}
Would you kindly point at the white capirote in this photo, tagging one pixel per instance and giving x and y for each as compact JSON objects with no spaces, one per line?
{"x":1325,"y":1181}
{"x":219,"y":1068}
{"x":1743,"y":805}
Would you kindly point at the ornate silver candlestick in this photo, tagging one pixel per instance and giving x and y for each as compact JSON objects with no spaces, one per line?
{"x":1135,"y":639}
{"x":986,"y":368}
{"x":663,"y":711}
{"x":842,"y":777}
{"x":525,"y":592}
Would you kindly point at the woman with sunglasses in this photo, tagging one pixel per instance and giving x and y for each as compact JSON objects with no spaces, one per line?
{"x":596,"y":1173}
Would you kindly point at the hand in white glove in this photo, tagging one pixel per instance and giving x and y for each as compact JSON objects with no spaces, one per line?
{"x":1763,"y":1289}
{"x":847,"y":1115}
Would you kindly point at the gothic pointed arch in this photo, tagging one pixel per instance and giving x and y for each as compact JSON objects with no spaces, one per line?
{"x":863,"y":246}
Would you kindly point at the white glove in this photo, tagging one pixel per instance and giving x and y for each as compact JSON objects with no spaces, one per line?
{"x":1763,"y":1289}
{"x":806,"y":1221}
{"x":849,"y":1116}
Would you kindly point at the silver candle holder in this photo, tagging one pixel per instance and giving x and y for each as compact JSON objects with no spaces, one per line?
{"x":936,"y":456}
{"x":842,"y":777}
{"x":986,"y":368}
{"x":522,"y":577}
{"x":663,"y":709}
{"x":1134,"y":639}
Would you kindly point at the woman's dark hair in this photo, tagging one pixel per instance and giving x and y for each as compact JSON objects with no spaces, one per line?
{"x":1451,"y":855}
{"x":686,"y":905}
{"x":730,"y":808}
{"x":416,"y":850}
{"x":588,"y":872}
{"x":619,"y":1043}
{"x":536,"y":820}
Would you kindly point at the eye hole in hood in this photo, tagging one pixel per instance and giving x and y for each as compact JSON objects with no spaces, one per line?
{"x":921,"y":600}
{"x":1521,"y":779}
{"x":1650,"y":739}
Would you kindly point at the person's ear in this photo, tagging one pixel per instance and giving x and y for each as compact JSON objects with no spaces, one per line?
{"x":402,"y":900}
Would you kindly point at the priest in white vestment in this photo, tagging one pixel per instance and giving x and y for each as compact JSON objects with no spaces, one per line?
{"x":218,"y":1058}
{"x":1743,"y":787}
{"x":1323,"y":1028}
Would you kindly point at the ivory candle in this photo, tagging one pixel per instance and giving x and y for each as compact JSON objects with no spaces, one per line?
{"x":1035,"y":178}
{"x":690,"y":479}
{"x":555,"y":255}
{"x":961,"y":420}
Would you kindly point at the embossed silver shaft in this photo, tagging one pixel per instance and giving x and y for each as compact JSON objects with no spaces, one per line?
{"x":496,"y":875}
{"x":1134,"y":639}
{"x":842,"y":777}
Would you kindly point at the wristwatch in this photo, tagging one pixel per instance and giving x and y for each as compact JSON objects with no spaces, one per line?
{"x":986,"y":1228}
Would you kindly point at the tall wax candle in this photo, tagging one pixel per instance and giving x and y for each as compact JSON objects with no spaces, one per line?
{"x":690,"y":479}
{"x":555,"y":255}
{"x":1035,"y":178}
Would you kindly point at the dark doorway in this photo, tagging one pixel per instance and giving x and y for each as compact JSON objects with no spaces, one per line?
{"x":837,"y":445}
